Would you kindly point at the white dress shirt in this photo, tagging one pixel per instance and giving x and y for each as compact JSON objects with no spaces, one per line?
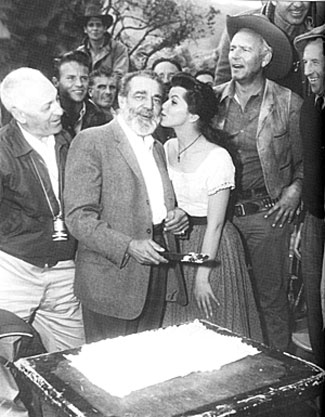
{"x":45,"y":147}
{"x":143,"y":149}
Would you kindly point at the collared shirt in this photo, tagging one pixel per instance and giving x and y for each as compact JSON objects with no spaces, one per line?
{"x":320,"y":97}
{"x":77,"y":126}
{"x":45,"y":147}
{"x":241,"y":126}
{"x":143,"y":149}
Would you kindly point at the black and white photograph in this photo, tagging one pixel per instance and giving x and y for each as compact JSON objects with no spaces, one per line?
{"x":162,"y":208}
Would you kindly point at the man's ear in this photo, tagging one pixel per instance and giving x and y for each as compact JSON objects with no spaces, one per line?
{"x":55,"y":82}
{"x":266,"y":59}
{"x":121,"y":101}
{"x":90,"y":92}
{"x":18,"y":115}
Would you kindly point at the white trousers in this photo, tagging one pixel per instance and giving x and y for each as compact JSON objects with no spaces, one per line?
{"x":46,"y":293}
{"x":26,"y":289}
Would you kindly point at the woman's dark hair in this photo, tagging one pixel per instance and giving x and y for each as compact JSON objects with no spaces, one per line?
{"x":201,"y":100}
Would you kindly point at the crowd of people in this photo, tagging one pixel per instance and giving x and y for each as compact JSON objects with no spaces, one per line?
{"x":107,"y":173}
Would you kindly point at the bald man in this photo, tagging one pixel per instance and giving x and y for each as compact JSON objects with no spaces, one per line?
{"x":36,"y":250}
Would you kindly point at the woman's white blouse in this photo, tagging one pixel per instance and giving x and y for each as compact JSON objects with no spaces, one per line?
{"x":215,"y":173}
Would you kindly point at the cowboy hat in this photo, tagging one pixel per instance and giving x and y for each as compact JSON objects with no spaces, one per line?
{"x":94,"y":11}
{"x":282,"y":56}
{"x":301,"y":41}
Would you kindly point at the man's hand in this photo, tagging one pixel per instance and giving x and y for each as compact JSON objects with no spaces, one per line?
{"x":176,"y":221}
{"x":146,"y":252}
{"x":287,"y":206}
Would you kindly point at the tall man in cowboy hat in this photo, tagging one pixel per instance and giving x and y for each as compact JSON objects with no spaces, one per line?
{"x":261,"y":119}
{"x":293,"y":18}
{"x":311,"y":48}
{"x":103,"y":51}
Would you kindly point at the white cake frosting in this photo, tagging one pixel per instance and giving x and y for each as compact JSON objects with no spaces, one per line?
{"x":125,"y":364}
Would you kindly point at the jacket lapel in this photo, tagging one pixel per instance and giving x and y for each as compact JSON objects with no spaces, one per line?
{"x":159,"y":156}
{"x":124,"y":147}
{"x":127,"y":153}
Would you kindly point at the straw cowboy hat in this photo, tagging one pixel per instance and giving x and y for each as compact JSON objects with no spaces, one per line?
{"x":301,"y":41}
{"x":94,"y":11}
{"x":282,"y":57}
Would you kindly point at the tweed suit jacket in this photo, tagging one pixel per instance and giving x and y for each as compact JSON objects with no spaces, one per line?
{"x":107,"y":205}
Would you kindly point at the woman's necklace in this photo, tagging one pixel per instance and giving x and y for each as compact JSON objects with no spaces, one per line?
{"x":186,"y":148}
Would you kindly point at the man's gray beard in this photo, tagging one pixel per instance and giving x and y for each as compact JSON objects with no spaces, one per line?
{"x":140,"y":126}
{"x":143,"y":129}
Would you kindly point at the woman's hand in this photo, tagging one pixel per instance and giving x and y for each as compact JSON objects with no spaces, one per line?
{"x":204,"y":295}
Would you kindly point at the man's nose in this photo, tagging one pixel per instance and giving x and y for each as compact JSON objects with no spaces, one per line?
{"x":58,"y":109}
{"x":149,"y":103}
{"x":165,"y":78}
{"x":234,"y":53}
{"x":308,"y":68}
{"x":79,"y":81}
{"x":298,"y":4}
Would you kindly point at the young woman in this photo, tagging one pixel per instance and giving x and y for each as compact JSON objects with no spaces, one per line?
{"x":202,"y":173}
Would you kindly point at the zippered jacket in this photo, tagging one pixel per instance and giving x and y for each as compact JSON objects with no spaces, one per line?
{"x":26,"y":220}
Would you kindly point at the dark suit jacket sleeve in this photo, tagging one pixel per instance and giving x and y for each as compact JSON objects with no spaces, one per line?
{"x":82,"y":195}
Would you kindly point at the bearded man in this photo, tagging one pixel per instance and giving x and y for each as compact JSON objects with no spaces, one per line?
{"x":120,"y":206}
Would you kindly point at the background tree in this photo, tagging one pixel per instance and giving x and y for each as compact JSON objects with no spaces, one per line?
{"x":39,"y":30}
{"x":159,"y":24}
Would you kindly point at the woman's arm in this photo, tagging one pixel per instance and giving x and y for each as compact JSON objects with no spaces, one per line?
{"x":217,"y":207}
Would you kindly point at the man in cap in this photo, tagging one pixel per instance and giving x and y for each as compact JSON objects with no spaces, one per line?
{"x":36,"y":250}
{"x":120,"y":206}
{"x":261,"y":119}
{"x":311,"y":48}
{"x":98,"y":44}
{"x":293,"y":18}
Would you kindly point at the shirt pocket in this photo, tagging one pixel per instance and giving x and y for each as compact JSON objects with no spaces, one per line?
{"x":281,"y":144}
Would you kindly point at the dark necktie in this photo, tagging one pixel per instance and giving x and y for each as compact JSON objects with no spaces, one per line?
{"x":319,"y":103}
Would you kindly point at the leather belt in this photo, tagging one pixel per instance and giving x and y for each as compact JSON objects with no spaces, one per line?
{"x":246,"y":208}
{"x":195,"y":220}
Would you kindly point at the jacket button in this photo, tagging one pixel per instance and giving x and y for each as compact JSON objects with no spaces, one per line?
{"x":149,"y":231}
{"x":148,"y":202}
